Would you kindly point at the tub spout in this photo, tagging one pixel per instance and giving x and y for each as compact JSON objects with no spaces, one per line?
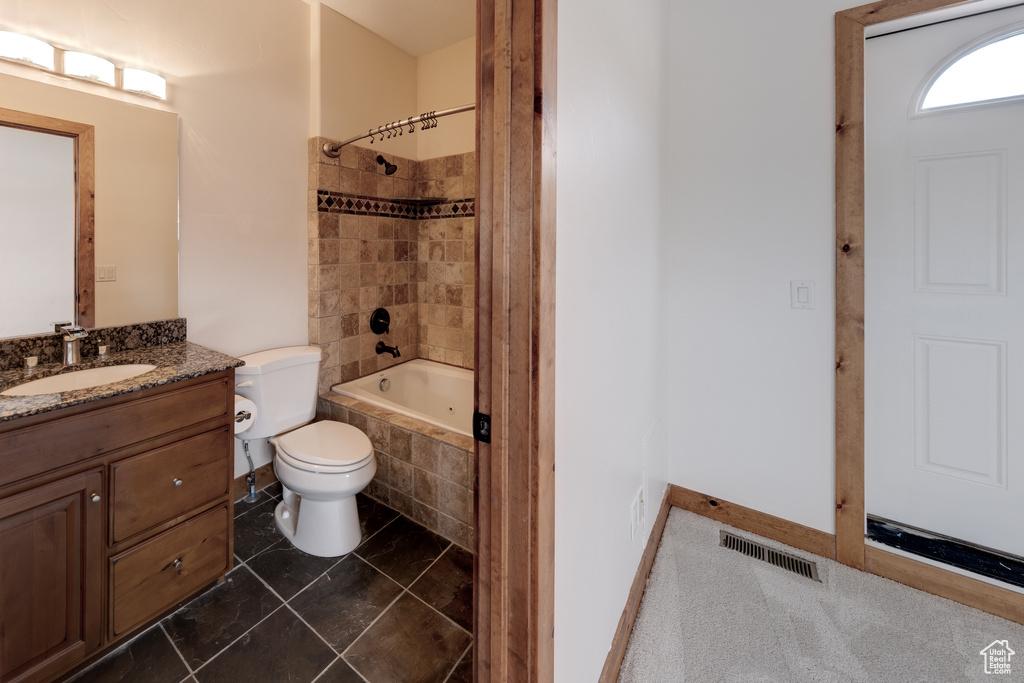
{"x":384,"y":348}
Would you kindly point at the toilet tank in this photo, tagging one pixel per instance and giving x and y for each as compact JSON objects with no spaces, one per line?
{"x":283,"y":385}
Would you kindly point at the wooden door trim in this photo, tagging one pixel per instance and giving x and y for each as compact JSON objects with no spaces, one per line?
{"x":849,"y":414}
{"x":515,"y":219}
{"x":850,"y":513}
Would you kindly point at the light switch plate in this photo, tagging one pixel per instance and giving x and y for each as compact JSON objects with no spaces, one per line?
{"x":106,"y":273}
{"x":801,"y":293}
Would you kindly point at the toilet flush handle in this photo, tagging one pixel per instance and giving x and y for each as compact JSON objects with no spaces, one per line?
{"x":246,"y":383}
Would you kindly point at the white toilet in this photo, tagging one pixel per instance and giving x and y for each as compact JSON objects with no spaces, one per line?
{"x":321,"y":466}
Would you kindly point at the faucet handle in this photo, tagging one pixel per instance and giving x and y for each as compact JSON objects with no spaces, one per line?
{"x":72,"y":332}
{"x":59,"y":327}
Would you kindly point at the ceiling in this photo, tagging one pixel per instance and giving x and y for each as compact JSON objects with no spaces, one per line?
{"x":416,"y":26}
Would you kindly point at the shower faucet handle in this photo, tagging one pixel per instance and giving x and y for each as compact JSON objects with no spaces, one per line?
{"x":380,"y":321}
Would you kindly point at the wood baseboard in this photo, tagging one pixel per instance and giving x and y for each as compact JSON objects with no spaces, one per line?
{"x":612,"y":664}
{"x":760,"y":523}
{"x":928,"y":578}
{"x":265,"y":476}
{"x":946,"y":584}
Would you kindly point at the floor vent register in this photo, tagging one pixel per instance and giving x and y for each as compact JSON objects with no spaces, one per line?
{"x":769,"y":555}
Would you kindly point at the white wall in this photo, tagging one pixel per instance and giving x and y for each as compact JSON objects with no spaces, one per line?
{"x":238,"y":78}
{"x":365,"y":82}
{"x":446,"y":78}
{"x":609,"y":347}
{"x":752,"y":147}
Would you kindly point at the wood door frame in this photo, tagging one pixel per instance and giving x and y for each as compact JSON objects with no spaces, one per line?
{"x":850,"y":180}
{"x":515,"y":222}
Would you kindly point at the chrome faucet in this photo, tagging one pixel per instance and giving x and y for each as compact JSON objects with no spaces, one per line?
{"x":384,"y":348}
{"x":72,"y":336}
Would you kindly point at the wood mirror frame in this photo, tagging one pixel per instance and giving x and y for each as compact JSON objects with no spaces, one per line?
{"x":85,"y":194}
{"x":850,"y":510}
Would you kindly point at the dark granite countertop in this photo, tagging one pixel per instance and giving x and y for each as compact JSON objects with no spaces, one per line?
{"x":175,"y":362}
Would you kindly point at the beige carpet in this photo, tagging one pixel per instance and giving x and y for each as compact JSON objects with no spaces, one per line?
{"x":713,"y":614}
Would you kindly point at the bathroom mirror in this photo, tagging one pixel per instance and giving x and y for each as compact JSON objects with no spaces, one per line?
{"x":94,"y":237}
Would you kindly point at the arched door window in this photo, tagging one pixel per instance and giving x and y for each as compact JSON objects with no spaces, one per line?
{"x":991,"y":70}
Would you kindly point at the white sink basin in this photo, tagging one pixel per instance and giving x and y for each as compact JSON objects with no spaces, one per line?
{"x":80,"y":379}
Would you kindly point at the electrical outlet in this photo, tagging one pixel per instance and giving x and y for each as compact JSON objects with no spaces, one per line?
{"x":633,"y":516}
{"x":636,"y":514}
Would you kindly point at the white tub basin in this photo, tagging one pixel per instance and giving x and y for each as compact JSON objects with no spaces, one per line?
{"x":80,"y":379}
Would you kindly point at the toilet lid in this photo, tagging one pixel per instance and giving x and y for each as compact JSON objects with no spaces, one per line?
{"x":327,"y":443}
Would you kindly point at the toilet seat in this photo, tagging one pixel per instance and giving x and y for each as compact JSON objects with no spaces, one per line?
{"x":325,"y":446}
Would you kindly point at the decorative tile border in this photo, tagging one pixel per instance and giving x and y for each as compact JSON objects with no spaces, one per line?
{"x":415,"y":209}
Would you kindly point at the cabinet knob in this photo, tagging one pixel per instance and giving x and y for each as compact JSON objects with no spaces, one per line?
{"x":177,"y":564}
{"x":177,"y":482}
{"x":95,"y":498}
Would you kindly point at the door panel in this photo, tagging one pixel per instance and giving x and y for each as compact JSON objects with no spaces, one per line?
{"x":944,"y":309}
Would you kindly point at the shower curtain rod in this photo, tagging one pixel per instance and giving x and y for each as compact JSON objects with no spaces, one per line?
{"x":396,"y":128}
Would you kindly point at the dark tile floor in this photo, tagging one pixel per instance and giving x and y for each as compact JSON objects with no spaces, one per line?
{"x":397,"y":609}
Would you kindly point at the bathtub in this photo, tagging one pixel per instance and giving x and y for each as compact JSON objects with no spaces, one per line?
{"x":433,"y":392}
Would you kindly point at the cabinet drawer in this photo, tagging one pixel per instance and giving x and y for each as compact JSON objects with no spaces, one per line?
{"x":154,"y":575}
{"x":159,"y":485}
{"x":107,"y":429}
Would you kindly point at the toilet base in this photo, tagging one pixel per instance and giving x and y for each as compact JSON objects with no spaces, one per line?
{"x":324,"y":528}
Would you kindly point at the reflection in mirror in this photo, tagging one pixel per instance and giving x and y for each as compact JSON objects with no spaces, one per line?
{"x":129,"y":212}
{"x":41,"y":221}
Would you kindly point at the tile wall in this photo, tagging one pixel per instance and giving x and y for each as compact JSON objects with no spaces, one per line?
{"x":423,"y":471}
{"x":405,"y":242}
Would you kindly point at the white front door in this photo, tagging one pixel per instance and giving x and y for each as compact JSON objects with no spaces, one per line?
{"x":944,"y":297}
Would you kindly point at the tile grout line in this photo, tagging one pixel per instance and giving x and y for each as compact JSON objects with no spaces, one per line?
{"x":342,"y":660}
{"x":442,"y":614}
{"x":171,"y":640}
{"x":459,"y":661}
{"x":382,"y":612}
{"x":228,"y":646}
{"x":315,"y":632}
{"x":321,"y":575}
{"x":298,"y":616}
{"x":247,"y":631}
{"x":397,"y":598}
{"x":340,"y":655}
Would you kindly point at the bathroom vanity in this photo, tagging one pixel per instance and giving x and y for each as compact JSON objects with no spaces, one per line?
{"x":115,"y":506}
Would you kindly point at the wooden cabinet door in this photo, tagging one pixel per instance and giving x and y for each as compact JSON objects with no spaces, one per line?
{"x":51,"y":545}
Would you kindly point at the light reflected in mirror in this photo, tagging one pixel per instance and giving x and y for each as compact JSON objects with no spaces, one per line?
{"x":133,"y":224}
{"x":37,"y":204}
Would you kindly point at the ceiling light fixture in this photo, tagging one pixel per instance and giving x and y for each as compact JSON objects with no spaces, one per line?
{"x":89,"y":67}
{"x":19,"y":48}
{"x":144,"y":82}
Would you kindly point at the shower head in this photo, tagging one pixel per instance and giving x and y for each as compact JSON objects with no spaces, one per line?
{"x":389,"y":169}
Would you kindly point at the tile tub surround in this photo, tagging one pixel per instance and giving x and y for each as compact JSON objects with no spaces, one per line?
{"x":49,"y":348}
{"x":423,"y":471}
{"x":174,"y":362}
{"x":372,"y":243}
{"x":398,"y":608}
